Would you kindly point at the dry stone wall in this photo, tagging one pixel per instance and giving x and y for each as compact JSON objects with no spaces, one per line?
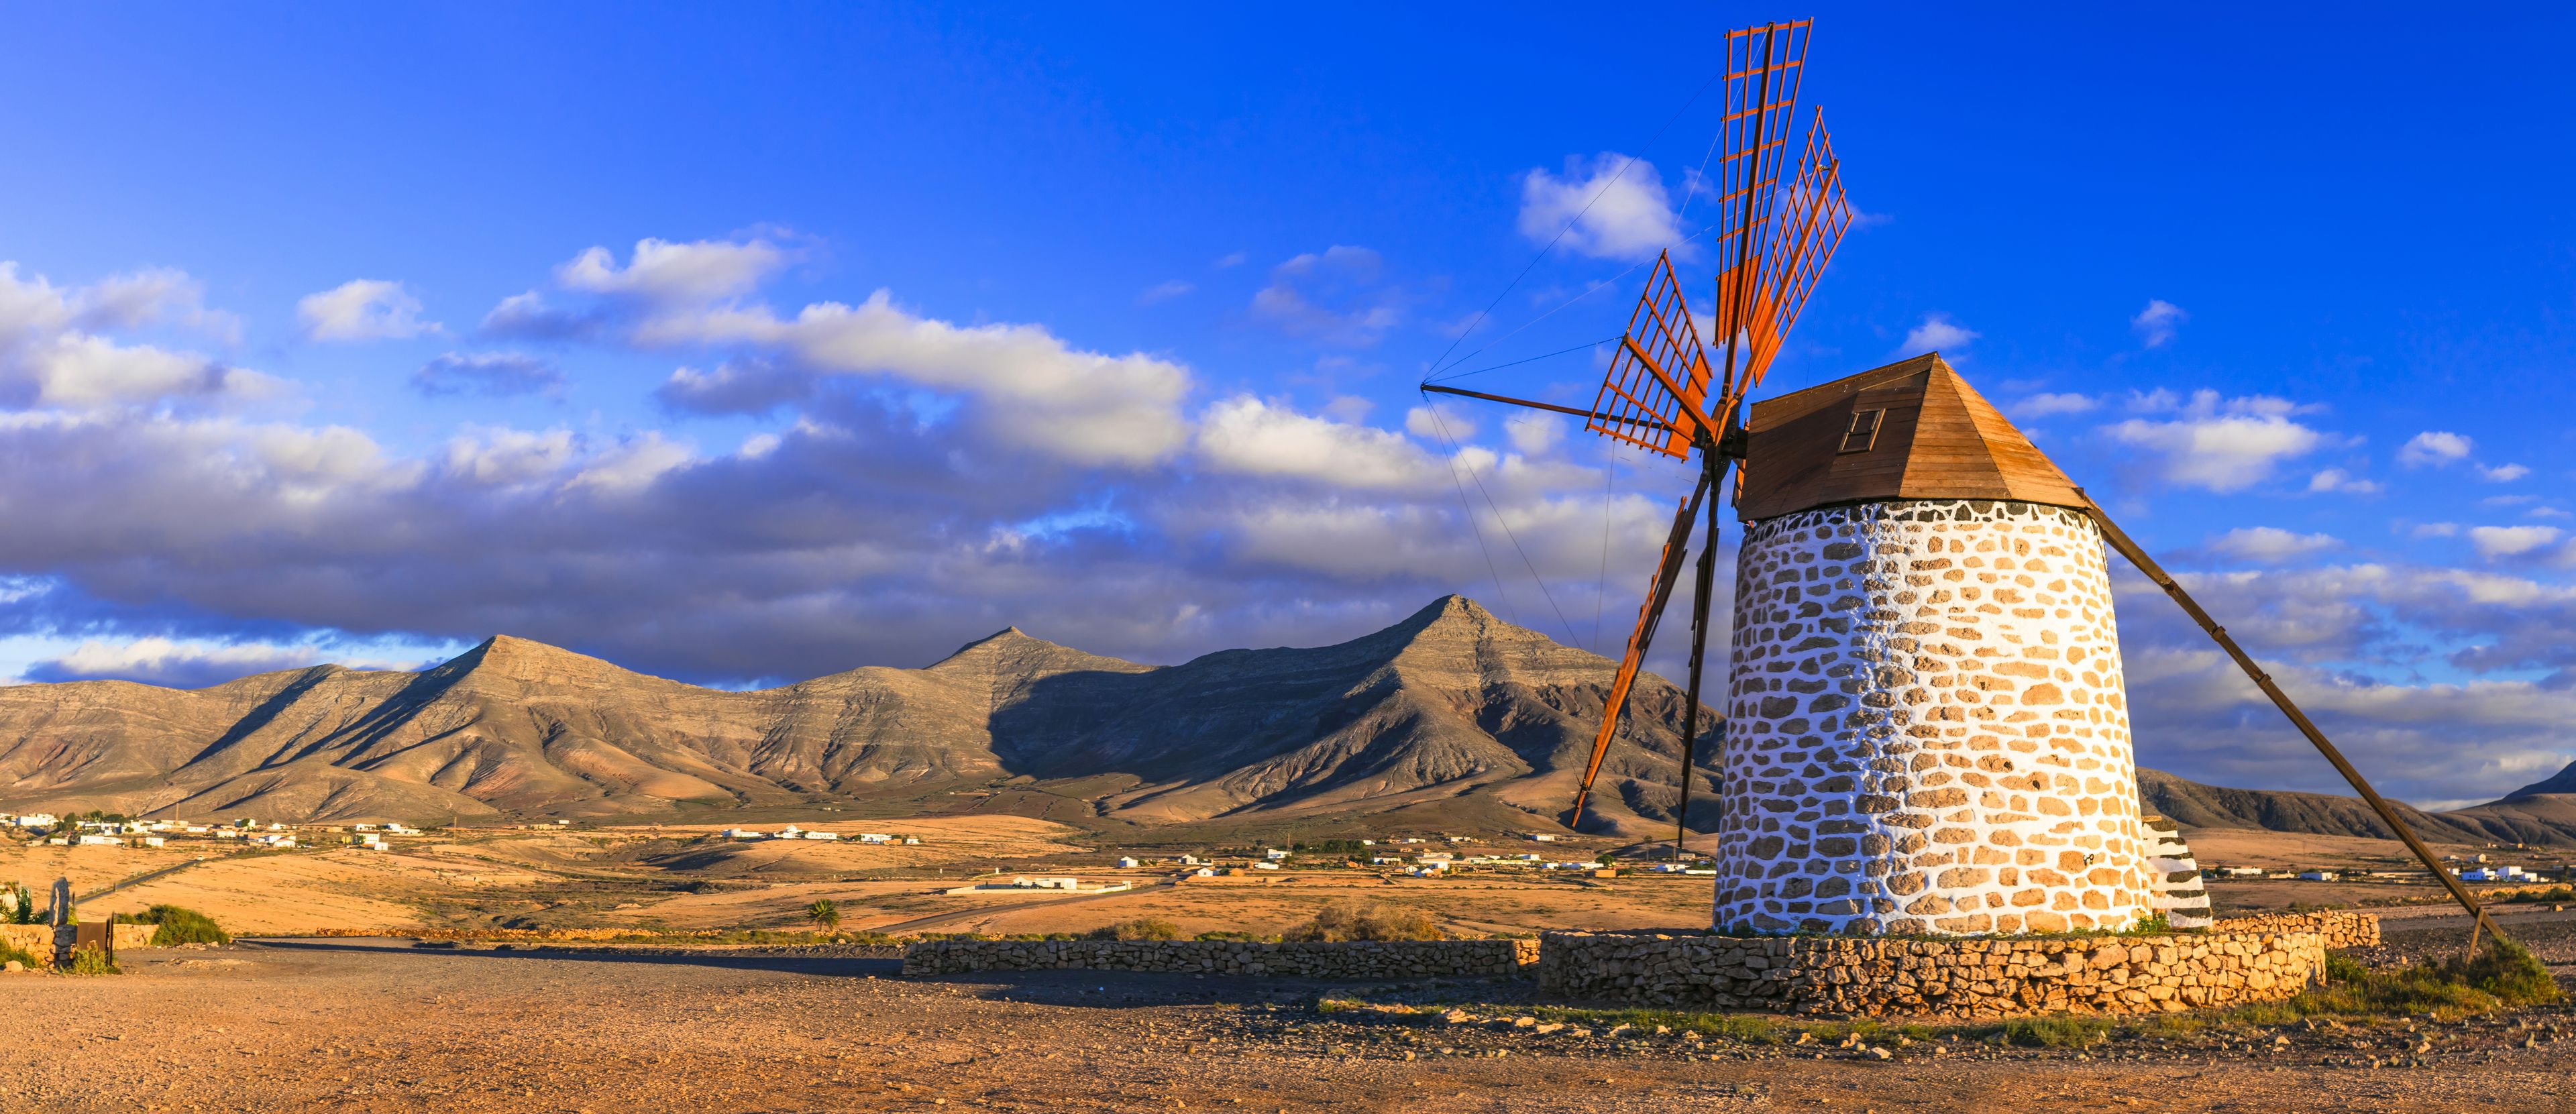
{"x":1356,"y":960}
{"x":1931,"y":976}
{"x":2340,"y":930}
{"x":1927,"y":727}
{"x":51,"y":943}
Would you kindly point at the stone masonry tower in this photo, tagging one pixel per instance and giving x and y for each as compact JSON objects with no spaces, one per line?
{"x":1926,"y":728}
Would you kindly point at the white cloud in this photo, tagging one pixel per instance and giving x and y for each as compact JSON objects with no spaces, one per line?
{"x":2435,"y":448}
{"x":1333,"y":297}
{"x":1443,"y":424}
{"x":1230,"y":259}
{"x":1535,"y":433}
{"x":1601,"y":211}
{"x":362,"y":309}
{"x":2503,"y":473}
{"x":2436,"y":530}
{"x":633,"y":465}
{"x":1936,"y":333}
{"x":504,"y":456}
{"x":2048,"y":405}
{"x":1246,"y":435}
{"x":2338,"y":480}
{"x":2157,"y":323}
{"x":1164,"y":292}
{"x":2511,"y":541}
{"x":190,"y":664}
{"x":2219,"y":445}
{"x":1037,"y":391}
{"x":2270,"y":544}
{"x":529,"y":316}
{"x":669,"y":274}
{"x":487,"y":373}
{"x":52,"y":355}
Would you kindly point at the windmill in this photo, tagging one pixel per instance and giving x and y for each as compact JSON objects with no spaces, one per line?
{"x":1931,"y":736}
{"x":1663,"y":394}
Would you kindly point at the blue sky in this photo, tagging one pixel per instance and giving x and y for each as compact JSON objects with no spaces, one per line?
{"x":744,"y":345}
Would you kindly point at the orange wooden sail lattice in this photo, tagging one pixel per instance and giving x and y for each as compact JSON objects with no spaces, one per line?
{"x":1663,"y":392}
{"x":1772,"y":244}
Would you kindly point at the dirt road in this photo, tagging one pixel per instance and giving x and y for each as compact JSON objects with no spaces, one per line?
{"x":382,"y":1026}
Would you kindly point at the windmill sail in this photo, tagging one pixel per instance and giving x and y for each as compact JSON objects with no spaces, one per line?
{"x":1655,"y":395}
{"x":1660,"y":392}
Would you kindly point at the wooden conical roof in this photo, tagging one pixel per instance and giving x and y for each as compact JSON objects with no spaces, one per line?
{"x":1937,"y":439}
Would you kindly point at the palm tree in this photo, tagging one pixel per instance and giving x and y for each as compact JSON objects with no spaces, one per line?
{"x":824,"y":914}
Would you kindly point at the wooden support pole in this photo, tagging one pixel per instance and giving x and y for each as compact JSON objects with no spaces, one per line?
{"x":1706,"y":583}
{"x":2387,"y":815}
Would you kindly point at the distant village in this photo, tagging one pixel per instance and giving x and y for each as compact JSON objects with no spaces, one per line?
{"x":123,"y":832}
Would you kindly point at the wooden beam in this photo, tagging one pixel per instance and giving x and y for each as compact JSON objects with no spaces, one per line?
{"x":1594,"y":415}
{"x":2387,"y":815}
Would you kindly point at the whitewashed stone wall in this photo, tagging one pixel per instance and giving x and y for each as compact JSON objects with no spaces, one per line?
{"x":2179,"y":894}
{"x":1927,"y":728}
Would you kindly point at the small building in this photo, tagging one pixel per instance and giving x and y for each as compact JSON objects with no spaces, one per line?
{"x":875,"y":837}
{"x":1543,"y":837}
{"x":1128,"y":862}
{"x":1273,"y":854}
{"x":2318,"y":876}
{"x":150,"y":841}
{"x":822,"y":835}
{"x":101,"y":841}
{"x":791,"y":832}
{"x":1265,"y":866}
{"x":1025,"y":884}
{"x":743,"y":833}
{"x":1204,"y":872}
{"x":1385,"y":860}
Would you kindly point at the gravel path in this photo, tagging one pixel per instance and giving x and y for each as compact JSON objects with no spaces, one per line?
{"x":355,"y":1025}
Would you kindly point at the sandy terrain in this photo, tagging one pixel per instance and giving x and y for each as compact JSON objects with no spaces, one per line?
{"x":349,"y":1025}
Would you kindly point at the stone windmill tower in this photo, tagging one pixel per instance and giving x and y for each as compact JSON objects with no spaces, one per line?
{"x":1927,"y":730}
{"x":1926,"y":725}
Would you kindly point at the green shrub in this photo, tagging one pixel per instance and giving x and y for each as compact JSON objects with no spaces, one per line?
{"x":32,"y":962}
{"x":1341,"y":921}
{"x":92,"y":960}
{"x":2057,"y":1032}
{"x":183,"y":926}
{"x":2505,"y":969}
{"x":1142,"y":928}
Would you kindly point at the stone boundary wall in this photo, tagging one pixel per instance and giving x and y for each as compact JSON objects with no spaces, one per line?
{"x":50,"y":943}
{"x":1356,"y":960}
{"x":34,"y":939}
{"x":2340,"y":930}
{"x":1962,"y":978}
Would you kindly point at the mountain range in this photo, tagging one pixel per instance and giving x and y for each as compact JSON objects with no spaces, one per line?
{"x":1450,"y":709}
{"x":1451,"y":717}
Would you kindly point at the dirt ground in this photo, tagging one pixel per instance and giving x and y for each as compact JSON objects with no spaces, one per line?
{"x":365,"y":1025}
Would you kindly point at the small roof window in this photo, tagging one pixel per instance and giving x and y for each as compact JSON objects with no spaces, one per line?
{"x":1864,"y":430}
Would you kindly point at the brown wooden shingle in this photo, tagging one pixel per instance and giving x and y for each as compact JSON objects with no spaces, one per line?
{"x":1940,"y":439}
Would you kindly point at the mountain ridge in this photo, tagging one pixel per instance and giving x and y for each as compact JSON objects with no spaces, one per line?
{"x":1448,"y":703}
{"x":1450,"y":711}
